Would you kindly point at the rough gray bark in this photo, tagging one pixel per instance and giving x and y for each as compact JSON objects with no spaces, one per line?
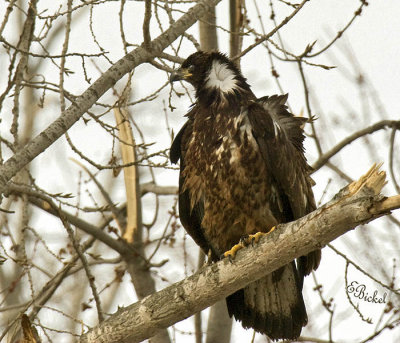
{"x":356,"y":204}
{"x":97,"y":89}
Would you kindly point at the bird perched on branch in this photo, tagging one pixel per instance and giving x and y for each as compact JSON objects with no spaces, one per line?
{"x":243,"y":170}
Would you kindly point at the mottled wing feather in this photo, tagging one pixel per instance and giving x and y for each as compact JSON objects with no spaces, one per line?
{"x":280,"y":137}
{"x":284,"y":150}
{"x":293,"y":126}
{"x":190,"y":218}
{"x":175,"y":151}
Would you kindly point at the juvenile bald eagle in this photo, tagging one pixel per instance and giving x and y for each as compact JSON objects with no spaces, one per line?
{"x":243,"y":170}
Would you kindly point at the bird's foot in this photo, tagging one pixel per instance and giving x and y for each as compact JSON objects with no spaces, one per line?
{"x":231,"y":254}
{"x":245,"y":241}
{"x":251,"y":239}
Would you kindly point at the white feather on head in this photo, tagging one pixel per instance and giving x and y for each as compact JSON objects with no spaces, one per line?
{"x":221,"y":77}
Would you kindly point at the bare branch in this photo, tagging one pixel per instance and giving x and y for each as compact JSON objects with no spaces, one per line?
{"x":340,"y":33}
{"x":150,"y":187}
{"x":308,"y":106}
{"x":45,"y":203}
{"x":368,"y":130}
{"x":24,"y":43}
{"x":272,"y":32}
{"x":146,"y":24}
{"x":391,"y":171}
{"x":358,"y":203}
{"x":97,"y":89}
{"x":85,"y":265}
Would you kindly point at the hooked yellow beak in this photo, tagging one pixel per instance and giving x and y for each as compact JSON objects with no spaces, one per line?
{"x":179,"y":74}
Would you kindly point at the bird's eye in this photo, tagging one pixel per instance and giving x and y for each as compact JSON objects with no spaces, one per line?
{"x":191,"y":68}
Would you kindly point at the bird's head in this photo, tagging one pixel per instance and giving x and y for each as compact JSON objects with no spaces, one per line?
{"x":212,"y":74}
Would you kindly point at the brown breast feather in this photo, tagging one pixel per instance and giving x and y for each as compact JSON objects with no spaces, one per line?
{"x":225,"y":168}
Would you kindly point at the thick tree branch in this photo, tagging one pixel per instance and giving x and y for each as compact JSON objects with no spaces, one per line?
{"x":97,"y":89}
{"x":358,"y":203}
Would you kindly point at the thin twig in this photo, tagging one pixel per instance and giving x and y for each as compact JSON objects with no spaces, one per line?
{"x":368,"y":130}
{"x":355,"y":307}
{"x":355,"y":265}
{"x":308,"y":106}
{"x":84,"y":261}
{"x":146,"y":24}
{"x":272,"y":32}
{"x":391,"y":149}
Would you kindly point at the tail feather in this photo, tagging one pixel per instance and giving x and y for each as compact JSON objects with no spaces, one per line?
{"x":272,"y":305}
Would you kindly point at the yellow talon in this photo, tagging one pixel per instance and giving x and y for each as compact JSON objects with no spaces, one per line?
{"x":232,"y":253}
{"x":256,"y":237}
{"x":250,"y":239}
